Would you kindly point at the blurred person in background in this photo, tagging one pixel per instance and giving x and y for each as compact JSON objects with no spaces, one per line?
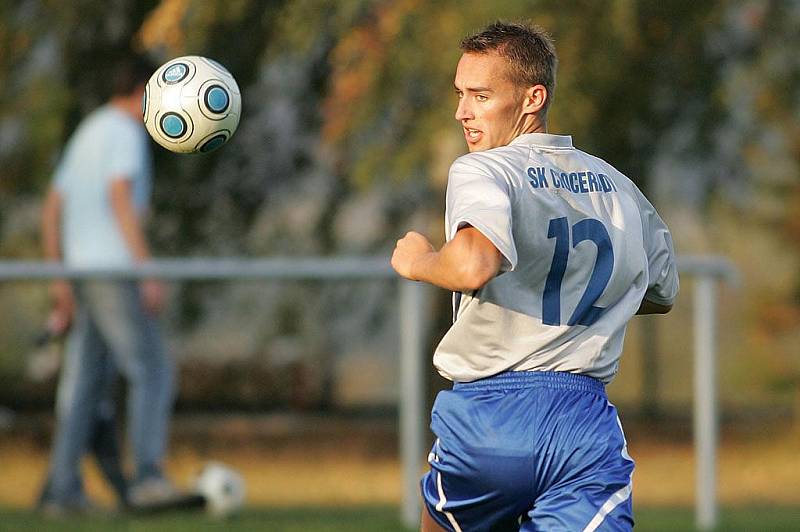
{"x":550,"y":251}
{"x":102,"y":440}
{"x":93,"y":217}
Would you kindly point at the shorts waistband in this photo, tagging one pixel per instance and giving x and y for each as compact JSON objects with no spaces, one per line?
{"x":517,"y":380}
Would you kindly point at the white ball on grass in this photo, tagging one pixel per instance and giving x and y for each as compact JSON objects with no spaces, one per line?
{"x":223,"y":489}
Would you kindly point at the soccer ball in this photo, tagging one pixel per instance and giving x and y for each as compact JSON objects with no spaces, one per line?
{"x":223,"y":489}
{"x":191,"y":104}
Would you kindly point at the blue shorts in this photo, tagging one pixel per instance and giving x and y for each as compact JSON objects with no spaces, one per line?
{"x":528,"y":451}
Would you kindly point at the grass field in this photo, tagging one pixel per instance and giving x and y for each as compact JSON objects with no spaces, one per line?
{"x":360,"y":467}
{"x":349,"y":479}
{"x":369,"y":518}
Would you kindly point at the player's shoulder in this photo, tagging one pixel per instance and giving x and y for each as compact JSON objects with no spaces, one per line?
{"x":105,"y":123}
{"x":91,"y":122}
{"x":91,"y":131}
{"x":490,"y":162}
{"x":624,"y":183}
{"x":594,"y":160}
{"x":475,"y":160}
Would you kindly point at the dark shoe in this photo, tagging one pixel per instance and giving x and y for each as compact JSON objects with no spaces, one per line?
{"x":61,"y":510}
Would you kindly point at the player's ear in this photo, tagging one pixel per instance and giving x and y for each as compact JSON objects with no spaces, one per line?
{"x":535,"y":98}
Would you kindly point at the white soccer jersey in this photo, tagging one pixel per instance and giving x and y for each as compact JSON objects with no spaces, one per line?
{"x":581,"y":248}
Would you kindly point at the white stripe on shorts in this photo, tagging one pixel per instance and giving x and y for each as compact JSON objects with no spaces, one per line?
{"x":619,"y":497}
{"x":442,"y":500}
{"x":434,"y":456}
{"x":612,"y":502}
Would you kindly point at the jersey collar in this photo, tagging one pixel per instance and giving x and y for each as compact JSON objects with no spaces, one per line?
{"x":544,"y":139}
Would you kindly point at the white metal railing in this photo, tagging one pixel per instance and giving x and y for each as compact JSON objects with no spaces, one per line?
{"x":411,"y":325}
{"x":707,"y":270}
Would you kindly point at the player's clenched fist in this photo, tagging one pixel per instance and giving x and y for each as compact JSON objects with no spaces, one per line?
{"x":408,"y":249}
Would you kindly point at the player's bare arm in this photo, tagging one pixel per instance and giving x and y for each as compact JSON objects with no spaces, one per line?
{"x":60,"y":289}
{"x":131,"y":228}
{"x":120,"y":192}
{"x":466,"y":263}
{"x":51,"y":223}
{"x":129,"y":224}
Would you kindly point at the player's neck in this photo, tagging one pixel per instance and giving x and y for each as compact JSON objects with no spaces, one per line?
{"x":532,"y":124}
{"x":127,"y":104}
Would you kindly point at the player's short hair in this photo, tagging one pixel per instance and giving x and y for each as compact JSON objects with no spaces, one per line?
{"x":528,"y":48}
{"x":128,"y":72}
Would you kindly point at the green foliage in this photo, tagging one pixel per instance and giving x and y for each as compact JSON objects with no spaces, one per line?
{"x":626,"y":71}
{"x":695,"y":101}
{"x":379,"y":90}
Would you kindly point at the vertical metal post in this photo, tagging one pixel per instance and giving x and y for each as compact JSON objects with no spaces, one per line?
{"x":705,"y":401}
{"x":412,"y":397}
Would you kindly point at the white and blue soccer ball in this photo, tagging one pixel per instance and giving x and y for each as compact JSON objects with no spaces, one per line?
{"x":223,"y":489}
{"x":191,"y":104}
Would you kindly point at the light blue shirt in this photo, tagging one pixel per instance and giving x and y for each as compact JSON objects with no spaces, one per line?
{"x":107,"y":145}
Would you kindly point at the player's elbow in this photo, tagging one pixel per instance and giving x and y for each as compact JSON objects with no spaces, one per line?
{"x":51,"y":211}
{"x":472,"y":258}
{"x":472,"y":276}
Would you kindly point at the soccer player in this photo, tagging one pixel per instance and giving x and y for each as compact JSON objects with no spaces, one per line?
{"x":550,"y":251}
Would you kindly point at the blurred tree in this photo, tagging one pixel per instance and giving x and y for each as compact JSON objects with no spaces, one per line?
{"x":348,"y":131}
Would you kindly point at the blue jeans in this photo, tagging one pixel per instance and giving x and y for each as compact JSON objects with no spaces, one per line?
{"x":102,"y":441}
{"x":112,"y":332}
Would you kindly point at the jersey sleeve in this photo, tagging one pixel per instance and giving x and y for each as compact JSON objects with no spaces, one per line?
{"x":477,"y":197}
{"x":60,"y":174}
{"x":663,"y":285}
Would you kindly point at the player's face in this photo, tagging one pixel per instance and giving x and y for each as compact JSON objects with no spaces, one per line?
{"x":490,"y":105}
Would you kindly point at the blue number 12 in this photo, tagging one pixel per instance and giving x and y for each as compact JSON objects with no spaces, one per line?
{"x":588,"y":229}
